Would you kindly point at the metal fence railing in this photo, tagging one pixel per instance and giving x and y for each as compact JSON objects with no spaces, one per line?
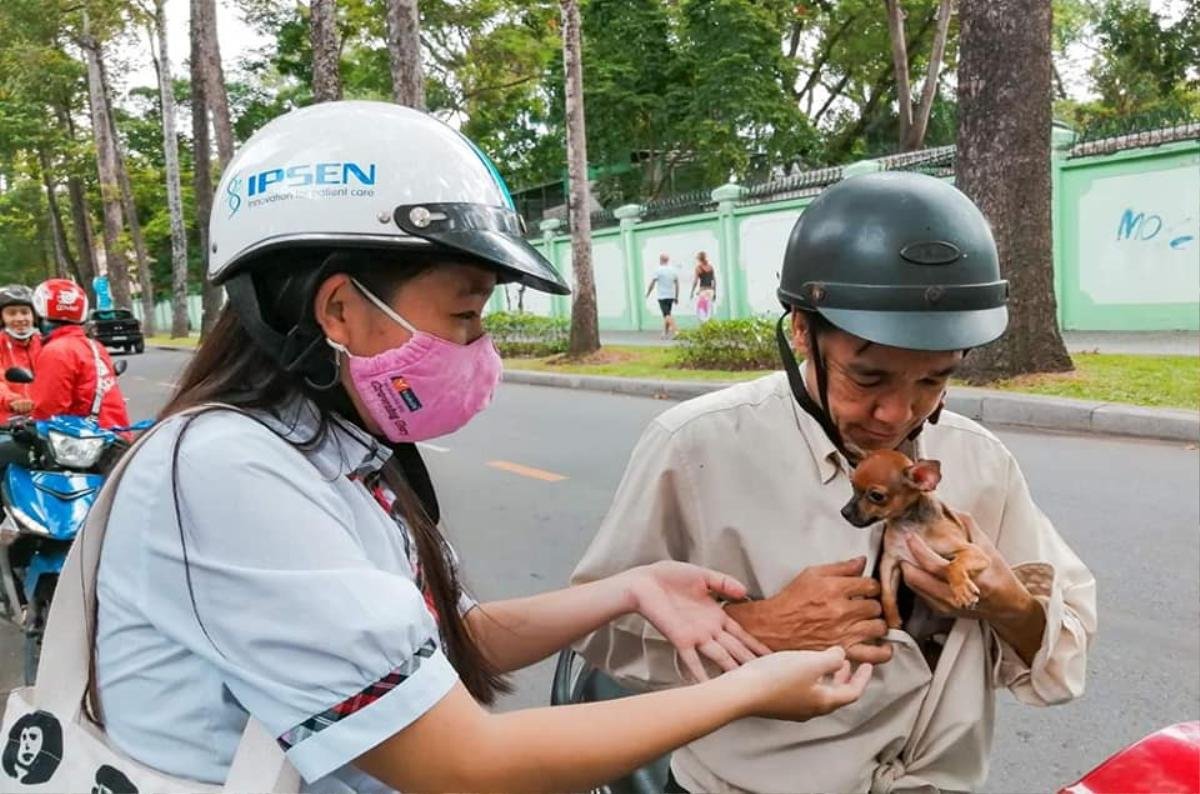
{"x":688,"y":203}
{"x":1185,"y":131}
{"x":938,"y":161}
{"x":796,"y":185}
{"x":1112,"y":136}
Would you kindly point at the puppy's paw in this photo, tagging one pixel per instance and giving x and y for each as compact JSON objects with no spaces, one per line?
{"x":964,"y":594}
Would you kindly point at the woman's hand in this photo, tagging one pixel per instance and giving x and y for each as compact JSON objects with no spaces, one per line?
{"x":800,"y":685}
{"x":680,"y":600}
{"x":20,"y":405}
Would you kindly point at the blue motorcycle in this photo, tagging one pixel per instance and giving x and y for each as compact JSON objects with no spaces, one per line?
{"x":50,"y":475}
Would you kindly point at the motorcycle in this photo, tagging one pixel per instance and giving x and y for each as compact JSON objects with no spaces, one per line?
{"x":1165,"y":762}
{"x":576,"y":681}
{"x":51,"y":472}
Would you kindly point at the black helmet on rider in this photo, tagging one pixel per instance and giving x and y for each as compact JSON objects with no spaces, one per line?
{"x":895,"y":258}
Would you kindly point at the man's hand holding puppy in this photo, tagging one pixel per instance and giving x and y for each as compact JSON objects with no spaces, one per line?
{"x":1004,"y":602}
{"x":825,"y":605}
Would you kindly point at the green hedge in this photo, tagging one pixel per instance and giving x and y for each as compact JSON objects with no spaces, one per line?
{"x":730,"y":345}
{"x":527,"y":335}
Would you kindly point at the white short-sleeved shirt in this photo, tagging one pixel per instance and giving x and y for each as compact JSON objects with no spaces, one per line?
{"x":309,"y":615}
{"x":666,"y":278}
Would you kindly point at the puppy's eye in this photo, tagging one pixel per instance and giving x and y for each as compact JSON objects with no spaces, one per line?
{"x":878,"y":497}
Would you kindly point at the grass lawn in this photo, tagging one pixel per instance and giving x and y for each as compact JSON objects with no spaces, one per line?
{"x":166,"y":340}
{"x":1162,"y":381}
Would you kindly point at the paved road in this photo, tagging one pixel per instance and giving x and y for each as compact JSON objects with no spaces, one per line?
{"x":1130,"y":509}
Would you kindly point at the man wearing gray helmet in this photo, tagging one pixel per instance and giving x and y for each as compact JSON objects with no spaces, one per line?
{"x":888,"y":281}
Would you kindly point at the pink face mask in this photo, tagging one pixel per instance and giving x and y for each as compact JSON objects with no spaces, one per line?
{"x":427,"y":387}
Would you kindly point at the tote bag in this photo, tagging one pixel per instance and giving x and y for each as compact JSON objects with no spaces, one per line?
{"x":49,"y":745}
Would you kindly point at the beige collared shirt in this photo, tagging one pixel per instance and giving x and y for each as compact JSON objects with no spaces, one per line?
{"x":746,"y":482}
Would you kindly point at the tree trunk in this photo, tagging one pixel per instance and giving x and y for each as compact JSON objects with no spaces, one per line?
{"x":900,"y":67}
{"x":144,"y":274}
{"x":1003,"y":164}
{"x":179,"y":262}
{"x":585,"y":331}
{"x":929,"y":91}
{"x":214,"y":76}
{"x":64,"y":264}
{"x":327,"y":78}
{"x":202,"y":162}
{"x":404,"y":50}
{"x":81,"y":222}
{"x":106,"y":166}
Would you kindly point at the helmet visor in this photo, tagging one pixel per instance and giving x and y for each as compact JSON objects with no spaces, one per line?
{"x":493,"y":234}
{"x":933,"y":331}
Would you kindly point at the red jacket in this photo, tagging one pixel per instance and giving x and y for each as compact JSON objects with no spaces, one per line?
{"x":66,"y":379}
{"x":14,"y":353}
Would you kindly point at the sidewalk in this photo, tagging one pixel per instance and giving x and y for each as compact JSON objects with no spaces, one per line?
{"x":1141,"y":343}
{"x":987,"y":406}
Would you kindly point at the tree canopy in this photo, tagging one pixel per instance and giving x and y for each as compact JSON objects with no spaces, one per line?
{"x":679,"y":95}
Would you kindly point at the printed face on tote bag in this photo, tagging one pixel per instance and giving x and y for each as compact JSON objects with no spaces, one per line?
{"x":34,"y":748}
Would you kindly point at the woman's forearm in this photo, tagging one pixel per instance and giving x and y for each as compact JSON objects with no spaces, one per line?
{"x":459,"y":747}
{"x":522,"y":631}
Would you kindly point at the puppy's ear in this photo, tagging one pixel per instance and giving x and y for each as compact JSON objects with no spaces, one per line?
{"x":924,"y":475}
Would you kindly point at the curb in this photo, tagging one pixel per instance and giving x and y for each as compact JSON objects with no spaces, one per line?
{"x":987,"y":406}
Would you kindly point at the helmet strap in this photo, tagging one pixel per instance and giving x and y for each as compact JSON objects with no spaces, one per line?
{"x":931,"y":419}
{"x":814,"y":409}
{"x":301,"y":351}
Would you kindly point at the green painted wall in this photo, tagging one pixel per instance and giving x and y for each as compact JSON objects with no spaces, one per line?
{"x":1126,"y":247}
{"x":1127,"y":237}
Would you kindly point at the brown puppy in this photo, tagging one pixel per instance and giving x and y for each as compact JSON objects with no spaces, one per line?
{"x":889,"y":487}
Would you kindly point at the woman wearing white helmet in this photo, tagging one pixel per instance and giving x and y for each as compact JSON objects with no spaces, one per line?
{"x":277,"y":555}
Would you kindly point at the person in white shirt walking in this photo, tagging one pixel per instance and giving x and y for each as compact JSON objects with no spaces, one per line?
{"x":666,"y":280}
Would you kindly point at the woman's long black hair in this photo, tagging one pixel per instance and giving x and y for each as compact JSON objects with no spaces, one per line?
{"x":231,"y":368}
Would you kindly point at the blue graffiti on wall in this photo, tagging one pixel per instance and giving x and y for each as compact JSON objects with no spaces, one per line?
{"x":1144,"y":227}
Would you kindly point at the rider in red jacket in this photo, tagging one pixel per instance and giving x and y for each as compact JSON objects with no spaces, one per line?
{"x":20,"y":345}
{"x":75,"y":375}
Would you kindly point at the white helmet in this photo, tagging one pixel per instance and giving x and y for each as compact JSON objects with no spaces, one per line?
{"x":368,"y":174}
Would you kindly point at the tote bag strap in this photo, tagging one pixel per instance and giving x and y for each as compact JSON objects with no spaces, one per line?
{"x":66,"y":645}
{"x":259,"y":763}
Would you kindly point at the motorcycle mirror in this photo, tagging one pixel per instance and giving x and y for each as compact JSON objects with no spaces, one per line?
{"x":119,"y":367}
{"x":18,"y":375}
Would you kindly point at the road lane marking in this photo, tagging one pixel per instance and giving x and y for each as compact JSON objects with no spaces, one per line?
{"x":432,"y":447}
{"x":526,"y":471}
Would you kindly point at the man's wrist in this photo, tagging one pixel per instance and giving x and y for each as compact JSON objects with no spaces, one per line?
{"x":1013,"y":609}
{"x":1020,"y":624}
{"x":745,"y":613}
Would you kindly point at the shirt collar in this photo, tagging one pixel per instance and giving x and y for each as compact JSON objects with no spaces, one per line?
{"x":66,"y":329}
{"x":346,"y":449}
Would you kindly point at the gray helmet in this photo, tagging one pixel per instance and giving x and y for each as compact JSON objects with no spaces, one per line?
{"x":16,"y":295}
{"x":899,"y":259}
